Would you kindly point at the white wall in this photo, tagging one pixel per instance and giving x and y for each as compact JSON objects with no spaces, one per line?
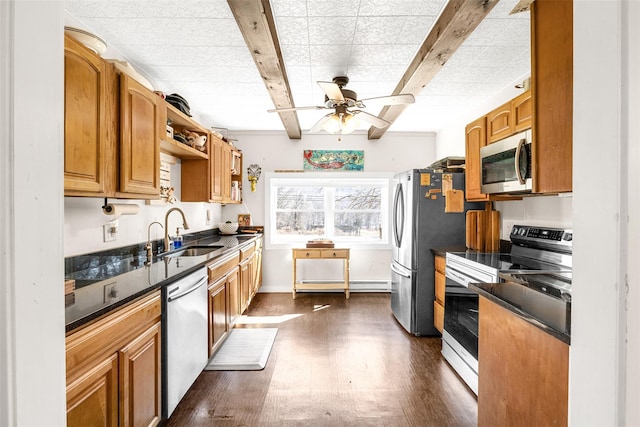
{"x":394,"y":152}
{"x":32,"y":362}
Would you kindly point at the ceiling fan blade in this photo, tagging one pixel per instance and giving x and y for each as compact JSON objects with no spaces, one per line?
{"x":318,"y":126}
{"x":404,"y":98}
{"x":371,"y":119}
{"x":332,"y":90}
{"x":282,"y":110}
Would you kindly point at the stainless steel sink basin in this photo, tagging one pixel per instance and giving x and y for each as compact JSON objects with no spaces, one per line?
{"x":194,"y":251}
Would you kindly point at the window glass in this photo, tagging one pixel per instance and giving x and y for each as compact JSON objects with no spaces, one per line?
{"x":342,"y":209}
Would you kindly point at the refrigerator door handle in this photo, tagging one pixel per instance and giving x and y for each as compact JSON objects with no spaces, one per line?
{"x":398,"y":209}
{"x":401,"y":273}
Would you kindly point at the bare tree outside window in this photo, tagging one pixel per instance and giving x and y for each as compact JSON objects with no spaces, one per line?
{"x":341,"y":210}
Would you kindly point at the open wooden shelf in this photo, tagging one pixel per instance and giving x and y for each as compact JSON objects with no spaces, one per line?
{"x":180,"y":150}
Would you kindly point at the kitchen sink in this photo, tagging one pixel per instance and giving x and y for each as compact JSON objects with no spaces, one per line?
{"x":194,"y":251}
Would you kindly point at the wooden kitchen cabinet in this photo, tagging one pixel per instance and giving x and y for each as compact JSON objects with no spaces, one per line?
{"x":113,"y":127}
{"x":511,"y":117}
{"x":438,"y":304}
{"x":523,"y":371}
{"x":476,"y":137}
{"x":88,"y":151}
{"x":202,"y":178}
{"x":247,"y":273}
{"x":499,"y":123}
{"x":257,"y":268}
{"x":552,"y":86}
{"x":141,"y":128}
{"x":114,"y":368}
{"x":224,"y":297}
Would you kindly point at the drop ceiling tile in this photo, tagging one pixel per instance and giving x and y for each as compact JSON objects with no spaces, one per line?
{"x":415,"y":29}
{"x":400,"y":7}
{"x":296,"y":55}
{"x":332,"y":30}
{"x":292,"y":30}
{"x":148,"y":9}
{"x":376,"y":73}
{"x":288,"y":8}
{"x":338,"y":54}
{"x":329,"y":8}
{"x":375,"y":30}
{"x":377,"y":55}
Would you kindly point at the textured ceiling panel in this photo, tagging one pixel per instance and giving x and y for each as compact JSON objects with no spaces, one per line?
{"x":195,"y":48}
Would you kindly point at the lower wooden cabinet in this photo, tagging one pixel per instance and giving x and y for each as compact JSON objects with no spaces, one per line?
{"x":114,"y":368}
{"x":523,"y":372}
{"x":224,"y":298}
{"x":438,"y":304}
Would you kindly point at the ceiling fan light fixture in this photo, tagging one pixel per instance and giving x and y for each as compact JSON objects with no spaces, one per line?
{"x":341,"y":123}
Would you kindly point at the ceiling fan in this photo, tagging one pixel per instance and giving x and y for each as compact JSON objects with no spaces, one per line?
{"x":347,"y":106}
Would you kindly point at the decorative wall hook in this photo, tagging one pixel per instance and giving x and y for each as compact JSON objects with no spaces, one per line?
{"x":254,"y":174}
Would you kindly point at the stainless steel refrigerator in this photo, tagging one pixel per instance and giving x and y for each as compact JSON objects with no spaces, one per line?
{"x":419,"y":223}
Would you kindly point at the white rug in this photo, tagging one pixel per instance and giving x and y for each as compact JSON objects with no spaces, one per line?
{"x":245,"y":349}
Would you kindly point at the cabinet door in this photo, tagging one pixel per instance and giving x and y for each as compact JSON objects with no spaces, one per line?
{"x":216,"y":163}
{"x":140,"y":380}
{"x":499,"y":123}
{"x":139,"y":140}
{"x":552,"y":86}
{"x":85,"y":121}
{"x":218,"y":326}
{"x":226,"y":173}
{"x":92,"y":399}
{"x":256,"y":266}
{"x":522,"y":111}
{"x":233,"y":303}
{"x":476,"y":137}
{"x":245,"y":282}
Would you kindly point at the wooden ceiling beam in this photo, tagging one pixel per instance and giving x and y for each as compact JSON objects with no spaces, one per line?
{"x":255,"y":20}
{"x":458,"y":19}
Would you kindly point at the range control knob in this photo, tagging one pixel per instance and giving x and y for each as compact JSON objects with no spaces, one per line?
{"x":523,"y":231}
{"x":568,"y":237}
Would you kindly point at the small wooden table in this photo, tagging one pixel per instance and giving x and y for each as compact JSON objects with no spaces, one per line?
{"x":321,"y":253}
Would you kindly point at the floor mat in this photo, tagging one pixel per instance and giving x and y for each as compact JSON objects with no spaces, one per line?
{"x":245,"y":349}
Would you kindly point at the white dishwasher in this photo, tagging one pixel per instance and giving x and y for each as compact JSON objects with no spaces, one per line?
{"x":184,"y":344}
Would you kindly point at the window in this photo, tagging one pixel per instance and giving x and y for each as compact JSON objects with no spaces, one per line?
{"x":335,"y":207}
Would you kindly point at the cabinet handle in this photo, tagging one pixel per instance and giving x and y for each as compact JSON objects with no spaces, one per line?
{"x":307,"y":254}
{"x":334,"y":254}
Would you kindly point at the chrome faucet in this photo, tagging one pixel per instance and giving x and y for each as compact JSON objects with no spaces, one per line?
{"x":149,"y":247}
{"x":166,"y":226}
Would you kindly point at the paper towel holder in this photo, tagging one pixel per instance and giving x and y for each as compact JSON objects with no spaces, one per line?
{"x":117,"y":210}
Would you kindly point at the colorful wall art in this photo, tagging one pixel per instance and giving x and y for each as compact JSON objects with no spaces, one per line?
{"x":340,"y":160}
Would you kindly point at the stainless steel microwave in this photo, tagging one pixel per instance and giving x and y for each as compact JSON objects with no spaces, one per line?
{"x":506,"y":165}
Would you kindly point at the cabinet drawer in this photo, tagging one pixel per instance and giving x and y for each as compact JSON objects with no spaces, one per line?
{"x":438,"y":316}
{"x":247,"y":251}
{"x":440,"y":262}
{"x":220,"y":268}
{"x":309,"y":253}
{"x":335,"y":253}
{"x":440,"y":285}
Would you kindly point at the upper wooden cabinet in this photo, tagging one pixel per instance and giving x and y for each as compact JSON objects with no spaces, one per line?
{"x":87,"y":148}
{"x":552,"y":86}
{"x":210,"y":180}
{"x":547,"y":108}
{"x":113,"y":127}
{"x":476,"y":137}
{"x":141,"y":125}
{"x":179,"y":123}
{"x":511,"y":117}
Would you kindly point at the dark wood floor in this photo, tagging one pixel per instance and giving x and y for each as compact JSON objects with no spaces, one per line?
{"x":336,"y":363}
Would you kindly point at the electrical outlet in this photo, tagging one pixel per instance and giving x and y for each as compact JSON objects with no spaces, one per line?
{"x":110,"y":292}
{"x":208,"y":217}
{"x":110,"y":230}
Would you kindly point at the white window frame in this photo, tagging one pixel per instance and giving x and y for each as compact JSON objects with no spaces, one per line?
{"x":329,"y":179}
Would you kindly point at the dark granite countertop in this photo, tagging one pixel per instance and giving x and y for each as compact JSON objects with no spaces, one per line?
{"x":442,"y":251}
{"x":131,"y":278}
{"x":548,"y":313}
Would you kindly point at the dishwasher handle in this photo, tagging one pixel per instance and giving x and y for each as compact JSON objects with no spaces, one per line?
{"x":401,"y":273}
{"x":188,"y":291}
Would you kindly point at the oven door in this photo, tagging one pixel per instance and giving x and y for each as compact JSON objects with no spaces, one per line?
{"x":461,"y":317}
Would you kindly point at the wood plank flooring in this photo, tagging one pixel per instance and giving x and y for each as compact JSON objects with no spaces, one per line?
{"x":335,"y":362}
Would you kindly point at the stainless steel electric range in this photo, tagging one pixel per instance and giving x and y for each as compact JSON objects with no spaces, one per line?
{"x":540,"y":259}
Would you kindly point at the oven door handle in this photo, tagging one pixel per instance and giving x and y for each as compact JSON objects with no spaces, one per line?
{"x":458,"y":278}
{"x":402,"y":273}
